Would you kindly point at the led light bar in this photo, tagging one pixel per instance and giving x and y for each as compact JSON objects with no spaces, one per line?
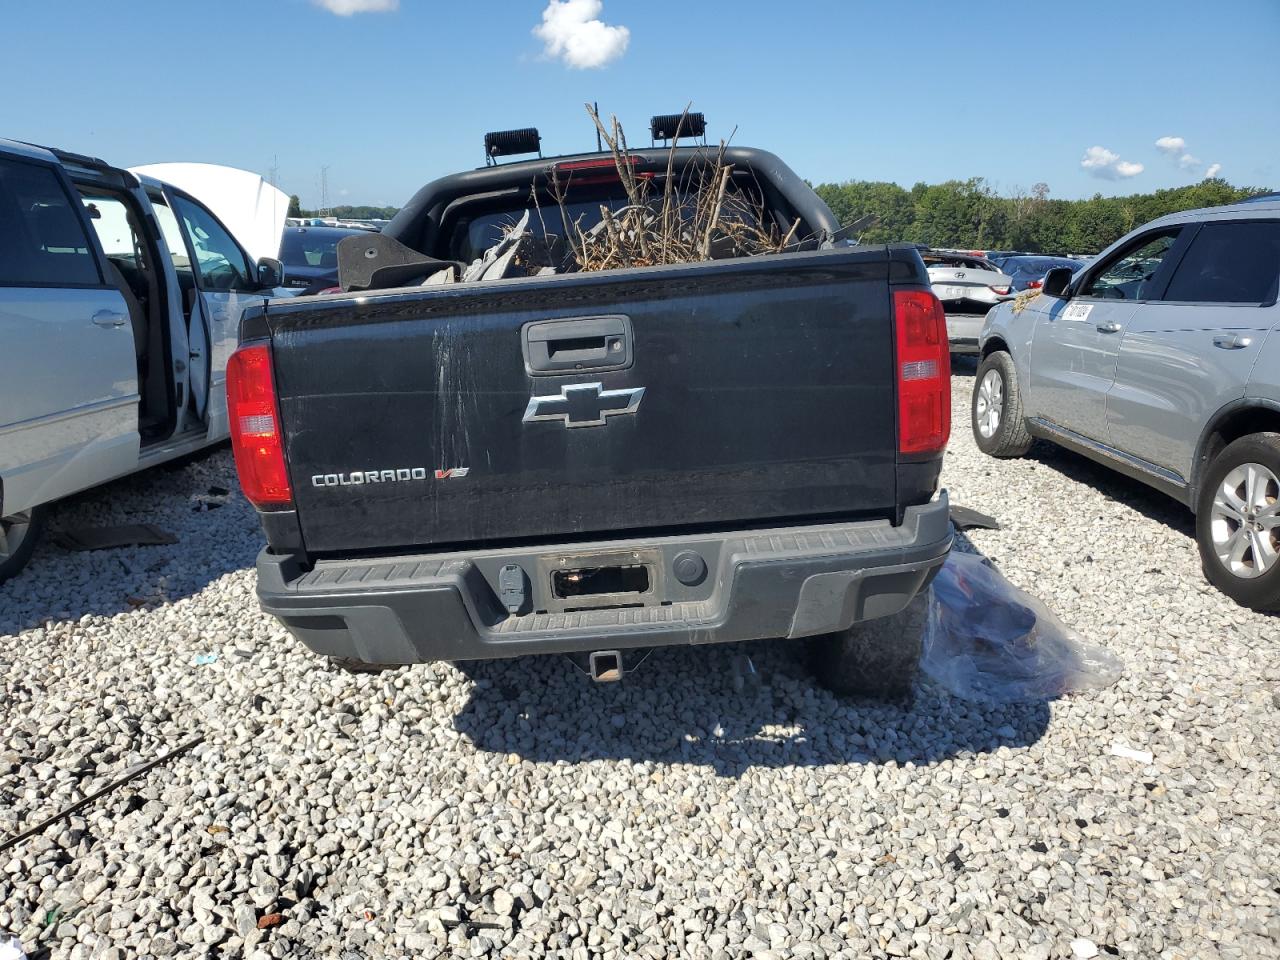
{"x":665,"y":126}
{"x":506,"y":143}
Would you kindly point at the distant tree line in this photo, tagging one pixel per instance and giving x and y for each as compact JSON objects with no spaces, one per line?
{"x":343,"y":211}
{"x":968,"y":214}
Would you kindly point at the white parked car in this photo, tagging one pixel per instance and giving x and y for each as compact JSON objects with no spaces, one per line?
{"x":968,"y":287}
{"x":120,"y":302}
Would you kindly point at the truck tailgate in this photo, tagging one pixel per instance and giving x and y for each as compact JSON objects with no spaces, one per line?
{"x":734,"y":392}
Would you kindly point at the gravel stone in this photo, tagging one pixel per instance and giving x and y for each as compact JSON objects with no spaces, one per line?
{"x":510,"y":808}
{"x":503,"y":903}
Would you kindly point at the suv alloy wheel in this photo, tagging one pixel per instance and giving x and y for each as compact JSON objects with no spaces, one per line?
{"x":1238,"y":521}
{"x":999,"y":426}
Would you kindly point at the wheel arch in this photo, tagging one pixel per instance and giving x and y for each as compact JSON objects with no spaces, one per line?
{"x":994,"y":344}
{"x":1240,"y":418}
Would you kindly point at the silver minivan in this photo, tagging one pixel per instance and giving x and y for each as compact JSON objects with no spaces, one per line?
{"x":120,"y":300}
{"x":1161,"y":358}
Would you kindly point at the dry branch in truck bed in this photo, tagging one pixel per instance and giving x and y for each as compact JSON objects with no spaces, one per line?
{"x":695,"y":213}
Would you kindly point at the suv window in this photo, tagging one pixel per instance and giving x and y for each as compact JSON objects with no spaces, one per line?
{"x":42,"y":239}
{"x":219,"y":260}
{"x":1128,"y":275}
{"x":1229,"y":263}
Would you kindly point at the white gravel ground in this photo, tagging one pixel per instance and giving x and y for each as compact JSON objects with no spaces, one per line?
{"x":517,"y":809}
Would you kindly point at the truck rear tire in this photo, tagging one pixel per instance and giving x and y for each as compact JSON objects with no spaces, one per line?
{"x":1238,"y":521}
{"x":999,"y":425}
{"x":18,"y":536}
{"x":876,"y":658}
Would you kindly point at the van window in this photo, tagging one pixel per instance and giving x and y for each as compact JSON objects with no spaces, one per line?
{"x":42,"y":240}
{"x":115,"y":224}
{"x":220,"y":262}
{"x":1229,"y":263}
{"x":173,"y":241}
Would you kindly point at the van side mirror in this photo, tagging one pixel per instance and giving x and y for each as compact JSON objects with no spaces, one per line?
{"x":1056,"y":281}
{"x":270,"y":273}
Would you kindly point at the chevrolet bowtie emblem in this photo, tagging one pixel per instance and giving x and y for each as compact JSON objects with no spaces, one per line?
{"x":583,"y":404}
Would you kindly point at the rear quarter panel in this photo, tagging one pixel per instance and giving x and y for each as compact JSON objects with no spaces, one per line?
{"x":1264,"y":382}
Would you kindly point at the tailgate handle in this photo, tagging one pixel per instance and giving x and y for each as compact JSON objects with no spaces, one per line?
{"x":583,"y":343}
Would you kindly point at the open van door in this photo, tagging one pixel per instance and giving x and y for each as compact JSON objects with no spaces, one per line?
{"x":225,"y":283}
{"x":229,"y":219}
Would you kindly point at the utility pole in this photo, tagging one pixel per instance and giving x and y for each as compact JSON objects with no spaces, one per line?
{"x":324,"y":191}
{"x":273,"y":172}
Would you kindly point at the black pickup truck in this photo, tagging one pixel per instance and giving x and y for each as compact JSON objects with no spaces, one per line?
{"x":596,"y":463}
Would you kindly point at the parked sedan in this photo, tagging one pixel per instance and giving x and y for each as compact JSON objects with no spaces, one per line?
{"x":310,"y":257}
{"x":1027,"y":272}
{"x":1161,"y":359}
{"x":968,"y":287}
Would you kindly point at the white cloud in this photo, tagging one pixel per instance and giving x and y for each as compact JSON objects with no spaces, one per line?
{"x":1213,"y":171}
{"x":1107,"y":165}
{"x":1175,"y":148}
{"x":572,"y":31}
{"x":345,"y":8}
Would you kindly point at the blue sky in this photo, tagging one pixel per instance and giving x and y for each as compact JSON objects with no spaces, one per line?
{"x":901,"y":91}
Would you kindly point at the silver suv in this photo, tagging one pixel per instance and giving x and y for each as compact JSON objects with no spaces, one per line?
{"x":1161,"y":358}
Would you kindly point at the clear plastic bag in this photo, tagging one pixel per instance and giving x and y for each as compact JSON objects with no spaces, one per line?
{"x":986,"y":640}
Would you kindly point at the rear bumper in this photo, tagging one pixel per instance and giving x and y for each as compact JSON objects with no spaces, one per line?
{"x":790,"y":582}
{"x":963,"y":330}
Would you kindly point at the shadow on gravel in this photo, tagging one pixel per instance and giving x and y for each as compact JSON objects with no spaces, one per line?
{"x":964,"y":364}
{"x":688,"y":705}
{"x":1116,"y":486}
{"x":64,"y":585}
{"x":681,"y":707}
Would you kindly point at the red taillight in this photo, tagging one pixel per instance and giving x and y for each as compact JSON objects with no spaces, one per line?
{"x":601,"y":170}
{"x":603,"y":163}
{"x":924,"y":372}
{"x":1035,"y":284}
{"x":255,"y":427}
{"x":1000,"y":290}
{"x":321,"y":293}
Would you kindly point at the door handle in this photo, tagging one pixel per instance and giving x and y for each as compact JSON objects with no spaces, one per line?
{"x":1232,"y":341}
{"x":586,"y":343}
{"x":1110,"y":327}
{"x":109,"y":318}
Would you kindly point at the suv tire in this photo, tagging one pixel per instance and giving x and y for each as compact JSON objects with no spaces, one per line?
{"x":18,"y":536}
{"x":876,"y":658}
{"x":1238,"y":521}
{"x":999,"y":425}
